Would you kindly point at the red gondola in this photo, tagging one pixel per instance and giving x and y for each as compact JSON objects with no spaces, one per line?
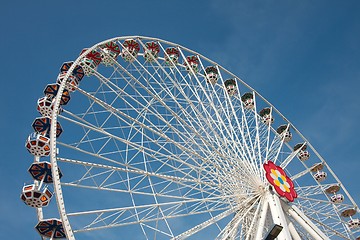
{"x":192,"y":62}
{"x":110,"y":52}
{"x":151,"y":51}
{"x":171,"y":56}
{"x":130,"y":50}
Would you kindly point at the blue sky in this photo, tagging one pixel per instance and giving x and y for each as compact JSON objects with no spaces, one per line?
{"x":303,"y":56}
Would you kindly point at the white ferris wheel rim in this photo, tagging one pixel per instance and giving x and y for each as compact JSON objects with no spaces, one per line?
{"x":53,"y":139}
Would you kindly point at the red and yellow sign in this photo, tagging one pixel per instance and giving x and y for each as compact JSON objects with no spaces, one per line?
{"x":280,"y":181}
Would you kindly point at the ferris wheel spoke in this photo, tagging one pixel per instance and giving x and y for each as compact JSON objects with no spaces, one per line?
{"x":204,"y":131}
{"x":126,"y":141}
{"x":250,"y":160}
{"x":110,"y":170}
{"x":323,"y":211}
{"x":157,"y":115}
{"x":245,"y":150}
{"x":313,"y":190}
{"x":187,"y":191}
{"x":339,"y":206}
{"x":268,"y":138}
{"x":326,"y":215}
{"x":203,"y":188}
{"x":275,"y":148}
{"x":203,"y":225}
{"x":277,"y":145}
{"x":229,"y":115}
{"x":157,"y":229}
{"x":117,"y":190}
{"x":241,"y":153}
{"x":251,"y":231}
{"x":289,"y":159}
{"x":135,"y":145}
{"x":253,"y":132}
{"x":248,"y":138}
{"x":135,"y":170}
{"x":245,"y":144}
{"x":184,"y":172}
{"x":145,"y":214}
{"x":209,"y":116}
{"x":262,"y":133}
{"x":158,"y":98}
{"x":167,"y":185}
{"x":257,"y":141}
{"x":231,"y":229}
{"x":174,"y":206}
{"x":331,"y":230}
{"x":89,"y":109}
{"x":136,"y":121}
{"x":250,"y":128}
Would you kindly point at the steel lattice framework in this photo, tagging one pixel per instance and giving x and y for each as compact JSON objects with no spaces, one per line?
{"x":157,"y":145}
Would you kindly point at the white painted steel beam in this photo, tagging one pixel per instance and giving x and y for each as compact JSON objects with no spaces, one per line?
{"x":279,"y":216}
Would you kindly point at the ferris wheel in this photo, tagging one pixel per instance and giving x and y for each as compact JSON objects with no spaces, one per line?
{"x":160,"y":142}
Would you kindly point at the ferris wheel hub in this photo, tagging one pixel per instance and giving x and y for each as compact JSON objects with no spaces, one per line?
{"x":262,"y":189}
